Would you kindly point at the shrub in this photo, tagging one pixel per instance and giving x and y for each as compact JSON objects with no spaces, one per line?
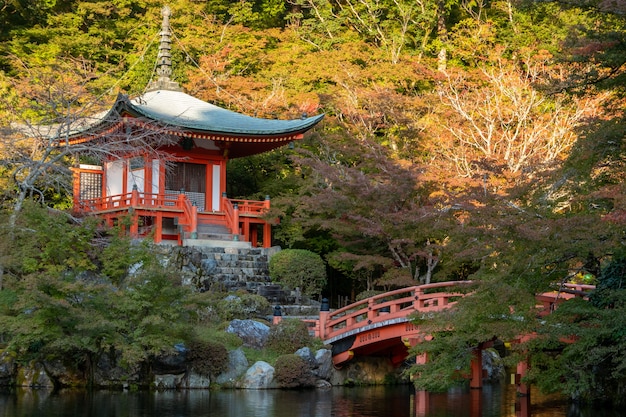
{"x":291,"y":371}
{"x":207,"y":358}
{"x":243,"y":306}
{"x":288,"y":336}
{"x":299,"y":268}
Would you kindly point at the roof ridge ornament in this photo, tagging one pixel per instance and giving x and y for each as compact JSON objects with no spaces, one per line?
{"x":164,"y":59}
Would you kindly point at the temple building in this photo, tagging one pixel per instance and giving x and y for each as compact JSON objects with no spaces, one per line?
{"x":177,"y":192}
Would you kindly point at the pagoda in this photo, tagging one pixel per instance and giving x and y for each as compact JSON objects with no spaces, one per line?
{"x":177,"y":194}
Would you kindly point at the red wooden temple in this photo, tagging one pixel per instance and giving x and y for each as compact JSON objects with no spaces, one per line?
{"x":181,"y":188}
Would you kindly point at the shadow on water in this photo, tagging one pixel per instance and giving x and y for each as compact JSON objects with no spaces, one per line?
{"x":396,"y":401}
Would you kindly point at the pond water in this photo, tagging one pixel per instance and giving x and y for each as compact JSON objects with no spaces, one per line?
{"x":394,"y":401}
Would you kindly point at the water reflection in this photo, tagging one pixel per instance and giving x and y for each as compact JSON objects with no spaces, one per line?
{"x":399,"y":401}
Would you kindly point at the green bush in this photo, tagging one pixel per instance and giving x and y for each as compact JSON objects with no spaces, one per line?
{"x":299,"y":268}
{"x":291,"y":371}
{"x":242,"y":306}
{"x":288,"y":336}
{"x":207,"y":358}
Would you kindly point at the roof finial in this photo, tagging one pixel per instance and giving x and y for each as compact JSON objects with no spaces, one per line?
{"x":164,"y":60}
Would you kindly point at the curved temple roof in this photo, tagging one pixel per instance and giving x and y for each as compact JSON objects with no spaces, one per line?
{"x":176,"y":108}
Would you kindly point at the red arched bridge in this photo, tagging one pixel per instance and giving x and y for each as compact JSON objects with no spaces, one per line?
{"x":381,"y":325}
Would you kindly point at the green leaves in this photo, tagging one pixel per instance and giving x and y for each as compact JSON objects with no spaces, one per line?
{"x":299,"y":268}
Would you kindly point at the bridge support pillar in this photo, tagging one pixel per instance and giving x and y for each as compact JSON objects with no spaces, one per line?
{"x":522,"y":369}
{"x":476,"y":377}
{"x":422,"y":403}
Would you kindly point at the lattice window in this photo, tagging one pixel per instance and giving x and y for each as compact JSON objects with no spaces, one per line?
{"x":90,"y":185}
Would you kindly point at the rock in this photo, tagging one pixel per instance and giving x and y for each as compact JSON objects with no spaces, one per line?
{"x":174,"y":363}
{"x":167,"y":381}
{"x":195,"y":381}
{"x":493,"y":365}
{"x":306,"y":354}
{"x":62,"y":375}
{"x":253,"y":333}
{"x":322,"y":384}
{"x":108,"y":373}
{"x":237,"y":366}
{"x":34,"y":376}
{"x":364,"y":371}
{"x":324,"y":361}
{"x":8,"y":369}
{"x":259,"y":376}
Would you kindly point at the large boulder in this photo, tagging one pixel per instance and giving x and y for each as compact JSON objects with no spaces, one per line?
{"x":254,"y":334}
{"x":259,"y":376}
{"x":195,"y":381}
{"x":324,"y":362}
{"x":237,"y":366}
{"x":493,"y":365}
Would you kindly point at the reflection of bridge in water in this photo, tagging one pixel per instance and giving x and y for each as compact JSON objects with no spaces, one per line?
{"x":381,"y":325}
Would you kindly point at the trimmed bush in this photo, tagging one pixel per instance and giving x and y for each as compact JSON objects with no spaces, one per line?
{"x":288,"y":336}
{"x":291,"y":371}
{"x":207,"y":358}
{"x":299,"y":268}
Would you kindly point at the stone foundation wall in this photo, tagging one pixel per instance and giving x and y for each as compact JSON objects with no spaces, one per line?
{"x":225,"y":269}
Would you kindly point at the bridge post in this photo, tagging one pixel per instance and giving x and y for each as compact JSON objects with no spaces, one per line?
{"x":422,"y":403}
{"x":324,"y":313}
{"x":522,"y":369}
{"x":278,"y":315}
{"x":476,"y":378}
{"x":417,"y":303}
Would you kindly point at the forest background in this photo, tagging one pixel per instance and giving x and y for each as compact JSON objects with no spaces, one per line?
{"x":463,"y":139}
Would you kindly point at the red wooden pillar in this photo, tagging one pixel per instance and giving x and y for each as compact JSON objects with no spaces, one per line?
{"x":254,"y":235}
{"x":476,"y":365}
{"x":522,"y":369}
{"x":422,"y":403}
{"x":246,"y":229}
{"x":476,"y":407}
{"x":158,"y":227}
{"x":522,"y":406}
{"x":235,"y":225}
{"x":267,"y":235}
{"x":76,"y":188}
{"x":134,"y":202}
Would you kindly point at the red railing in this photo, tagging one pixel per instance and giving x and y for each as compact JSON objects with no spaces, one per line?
{"x":234,"y":208}
{"x":188,"y":217}
{"x":390,"y":305}
{"x":134,"y":199}
{"x":548,"y":301}
{"x":422,"y":298}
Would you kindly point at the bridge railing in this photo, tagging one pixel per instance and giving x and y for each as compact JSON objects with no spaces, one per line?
{"x":388,"y":306}
{"x":549,"y":301}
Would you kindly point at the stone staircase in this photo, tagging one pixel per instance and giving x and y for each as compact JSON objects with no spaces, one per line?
{"x":216,"y":236}
{"x":225,"y":266}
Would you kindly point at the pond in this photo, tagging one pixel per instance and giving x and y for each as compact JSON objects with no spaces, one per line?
{"x":396,"y":401}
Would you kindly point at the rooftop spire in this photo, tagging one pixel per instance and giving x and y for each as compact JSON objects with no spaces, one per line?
{"x":164,"y":60}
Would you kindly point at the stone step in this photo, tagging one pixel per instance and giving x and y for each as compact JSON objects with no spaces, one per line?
{"x":216,"y":243}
